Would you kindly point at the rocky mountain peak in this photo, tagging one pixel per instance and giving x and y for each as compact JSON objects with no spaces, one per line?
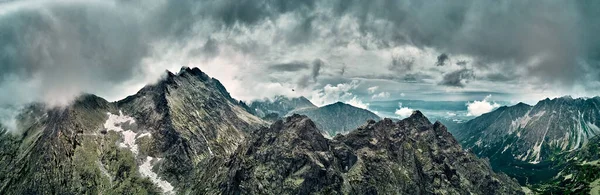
{"x":521,"y":104}
{"x":407,"y":157}
{"x":417,"y":118}
{"x":195,"y":71}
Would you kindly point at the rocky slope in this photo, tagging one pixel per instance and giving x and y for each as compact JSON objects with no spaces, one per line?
{"x":531,"y":143}
{"x":151,"y":142}
{"x":411,"y":156}
{"x":338,"y":117}
{"x":580,"y":174}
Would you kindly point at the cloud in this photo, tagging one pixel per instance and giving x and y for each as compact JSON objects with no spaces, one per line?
{"x":381,"y":95}
{"x":316,"y":69}
{"x":477,"y":108}
{"x":7,"y":117}
{"x":457,"y":78}
{"x":372,"y":89}
{"x":290,"y":66}
{"x":357,"y":103}
{"x":403,"y":112}
{"x":335,"y":93}
{"x":402,"y":64}
{"x":60,"y":49}
{"x":441,"y":59}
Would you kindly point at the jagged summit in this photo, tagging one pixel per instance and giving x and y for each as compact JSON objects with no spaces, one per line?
{"x":419,"y":116}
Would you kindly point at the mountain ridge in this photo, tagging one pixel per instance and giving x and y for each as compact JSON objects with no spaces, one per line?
{"x":531,"y":143}
{"x":159,"y":142}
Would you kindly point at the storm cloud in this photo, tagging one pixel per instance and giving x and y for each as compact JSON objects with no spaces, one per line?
{"x":51,"y":51}
{"x":54,"y":51}
{"x":441,"y":59}
{"x":457,"y":78}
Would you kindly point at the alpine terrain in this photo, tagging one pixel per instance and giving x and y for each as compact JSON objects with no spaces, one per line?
{"x":554,"y":140}
{"x":187,"y":135}
{"x":151,"y":142}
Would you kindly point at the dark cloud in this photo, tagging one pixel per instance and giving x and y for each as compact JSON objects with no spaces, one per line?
{"x":401,"y":64}
{"x":441,"y":59}
{"x":209,"y":50}
{"x":69,"y":48}
{"x":462,"y":62}
{"x":457,"y":78}
{"x":303,"y":82}
{"x":82,"y":46}
{"x":498,"y":77}
{"x":289,"y":67}
{"x":316,"y":69}
{"x":520,"y":32}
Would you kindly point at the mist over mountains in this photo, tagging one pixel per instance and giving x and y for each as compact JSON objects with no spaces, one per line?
{"x":312,"y":97}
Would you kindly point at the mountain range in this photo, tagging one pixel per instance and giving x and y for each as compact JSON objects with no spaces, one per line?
{"x":331,"y":119}
{"x":187,"y":135}
{"x":540,"y":143}
{"x":279,"y":106}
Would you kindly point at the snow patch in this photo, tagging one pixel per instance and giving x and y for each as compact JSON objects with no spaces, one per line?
{"x":146,"y":171}
{"x":506,"y":148}
{"x":129,"y":141}
{"x":114,"y":123}
{"x":144,"y":135}
{"x":537,"y":152}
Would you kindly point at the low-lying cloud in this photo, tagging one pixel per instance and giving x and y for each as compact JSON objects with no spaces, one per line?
{"x":403,"y":112}
{"x":477,"y":108}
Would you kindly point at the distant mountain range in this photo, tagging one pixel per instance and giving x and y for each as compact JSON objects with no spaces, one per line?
{"x":535,"y":143}
{"x":332,"y":119}
{"x":338,"y":117}
{"x":280,"y":106}
{"x":187,"y":135}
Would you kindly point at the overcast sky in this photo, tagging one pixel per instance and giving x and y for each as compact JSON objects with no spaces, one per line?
{"x":328,"y":50}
